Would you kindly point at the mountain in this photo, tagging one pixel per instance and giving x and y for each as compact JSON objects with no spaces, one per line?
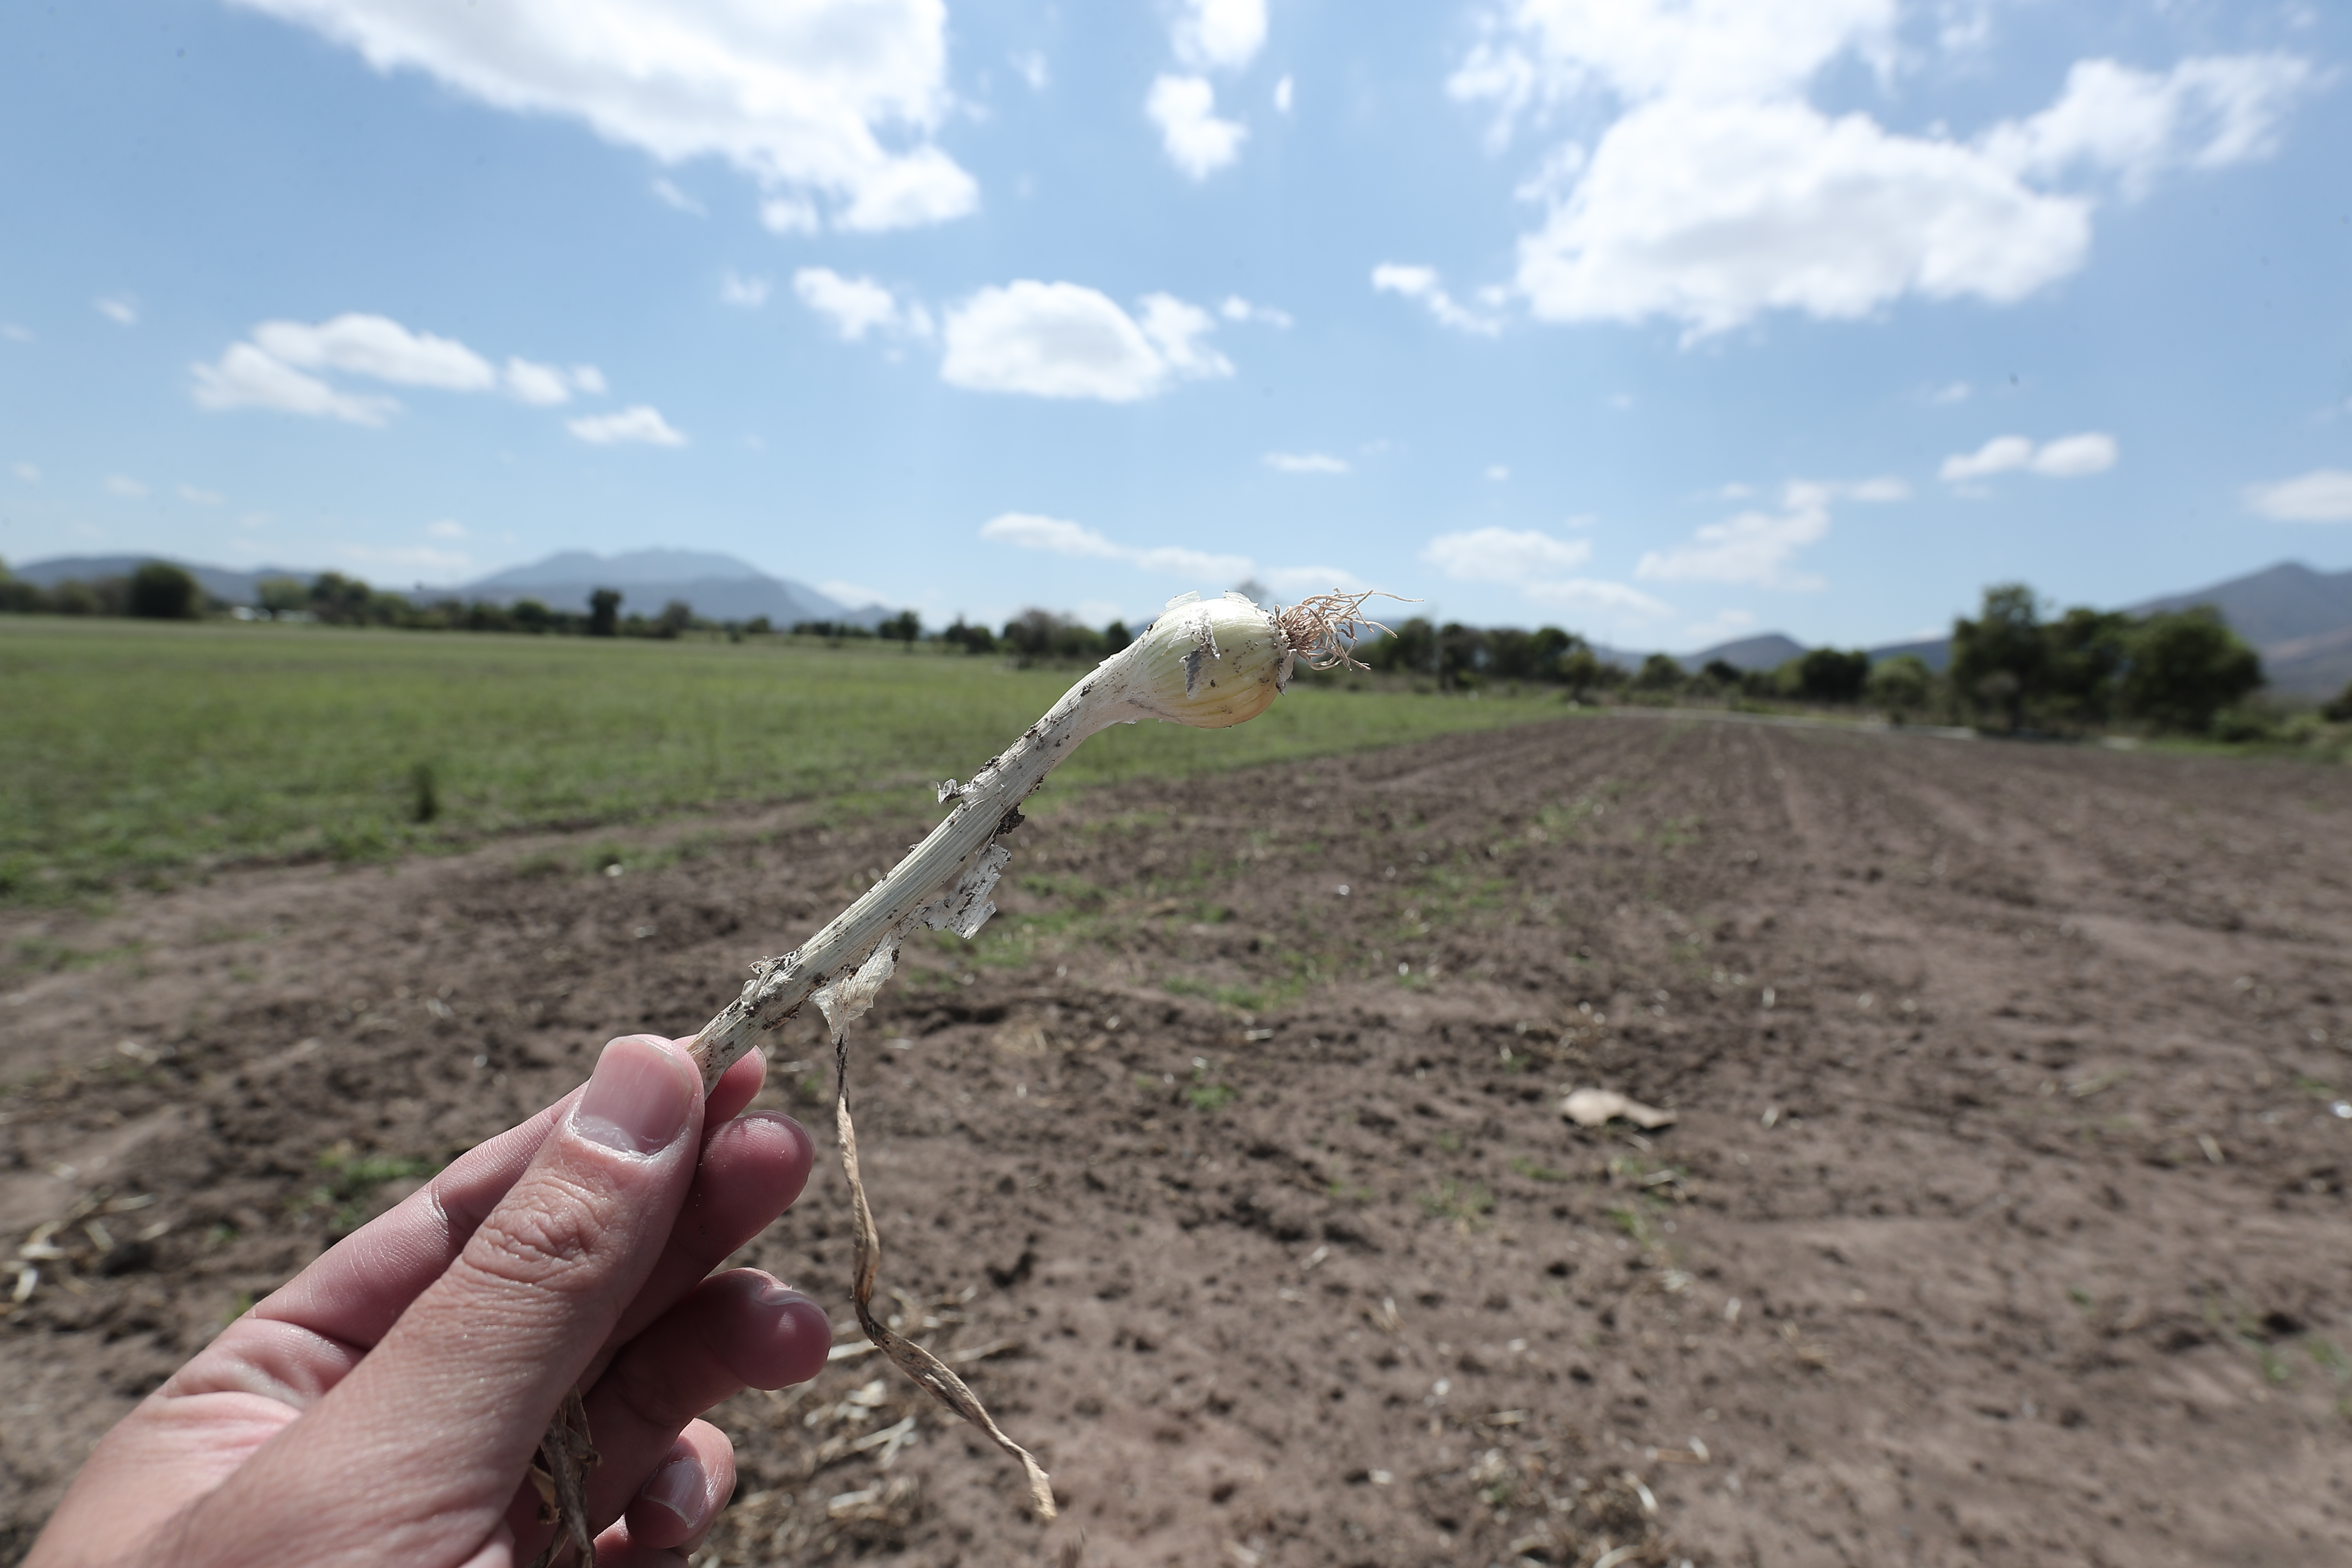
{"x":222,"y":583}
{"x":1933,"y":652}
{"x":1769,"y":651}
{"x":2286,"y":604}
{"x":719,"y":587}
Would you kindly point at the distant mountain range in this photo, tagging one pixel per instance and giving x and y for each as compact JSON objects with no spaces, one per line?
{"x":2299,"y":619}
{"x":719,"y":587}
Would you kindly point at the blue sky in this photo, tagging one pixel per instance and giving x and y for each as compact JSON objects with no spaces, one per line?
{"x":1665,"y":322}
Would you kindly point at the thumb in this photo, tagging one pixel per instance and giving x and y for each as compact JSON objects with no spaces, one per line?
{"x":414,"y":1457}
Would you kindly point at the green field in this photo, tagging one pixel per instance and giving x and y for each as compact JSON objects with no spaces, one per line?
{"x":133,"y":753}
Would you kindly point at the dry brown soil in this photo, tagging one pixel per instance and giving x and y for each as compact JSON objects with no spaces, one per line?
{"x":2004,"y":1219}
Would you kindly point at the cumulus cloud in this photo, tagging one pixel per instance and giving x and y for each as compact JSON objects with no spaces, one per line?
{"x":274,"y":370}
{"x":672,"y":196}
{"x":119,"y":309}
{"x":1718,"y":191}
{"x":1059,"y":536}
{"x":831,"y":101}
{"x":1422,"y":283}
{"x":2067,"y":457}
{"x":1064,"y":340}
{"x":15,"y":333}
{"x":124,"y":485}
{"x":1542,"y":568}
{"x":195,"y":496}
{"x":1503,"y":555}
{"x":856,"y":306}
{"x":1756,"y":547}
{"x":750,"y":293}
{"x":1599,"y":596}
{"x":245,"y":377}
{"x":2207,"y":112}
{"x":376,"y":346}
{"x":28,"y":472}
{"x":1220,"y":35}
{"x":1236,"y":309}
{"x":545,"y":385}
{"x":638,"y":424}
{"x":1306,"y":463}
{"x":1197,"y":141}
{"x":2322,"y":495}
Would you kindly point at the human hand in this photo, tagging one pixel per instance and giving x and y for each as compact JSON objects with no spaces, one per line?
{"x":383,"y":1405}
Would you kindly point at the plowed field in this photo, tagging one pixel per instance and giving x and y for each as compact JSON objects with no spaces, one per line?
{"x":2004,"y":1218}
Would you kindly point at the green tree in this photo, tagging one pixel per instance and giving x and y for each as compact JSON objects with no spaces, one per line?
{"x":1825,"y":675}
{"x":162,"y":592}
{"x":1999,"y":659}
{"x":1902,"y":685}
{"x":1116,"y":636}
{"x":283,"y":595}
{"x":2185,"y":667}
{"x":678,"y":615}
{"x":906,"y":627}
{"x":604,"y":612}
{"x":2340,"y":711}
{"x":1659,"y":672}
{"x":2087,"y":649}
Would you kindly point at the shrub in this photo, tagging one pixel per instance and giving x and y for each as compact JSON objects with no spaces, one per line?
{"x":2185,"y":667}
{"x":162,"y":592}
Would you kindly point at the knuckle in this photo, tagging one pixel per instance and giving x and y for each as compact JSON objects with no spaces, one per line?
{"x":548,"y":1238}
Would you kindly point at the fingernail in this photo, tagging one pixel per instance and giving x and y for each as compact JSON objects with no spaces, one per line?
{"x":679,"y":1486}
{"x":636,"y":1101}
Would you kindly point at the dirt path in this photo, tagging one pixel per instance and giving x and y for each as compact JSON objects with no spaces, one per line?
{"x":2004,"y":1219}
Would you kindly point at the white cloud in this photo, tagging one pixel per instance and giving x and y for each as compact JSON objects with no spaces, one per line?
{"x":1956,"y":391}
{"x":1283,"y":96}
{"x":119,"y":309}
{"x":750,"y":293}
{"x":28,"y":472}
{"x":797,"y":94}
{"x":1197,"y":141}
{"x":1724,"y":625}
{"x":545,"y":385}
{"x":2322,"y":495}
{"x":2076,"y":457}
{"x":1306,"y":463}
{"x":790,"y":215}
{"x":1503,"y":555}
{"x":1719,"y":193}
{"x":1422,"y":283}
{"x":380,"y":347}
{"x":1498,"y":472}
{"x":674,"y":198}
{"x":1059,"y":536}
{"x":1219,"y":34}
{"x":1301,"y":580}
{"x":126,"y":487}
{"x":196,"y":497}
{"x":1236,"y":309}
{"x":2067,"y":457}
{"x":1031,"y":67}
{"x":856,"y":306}
{"x":273,"y":370}
{"x":1598,"y":596}
{"x":640,"y":424}
{"x":2207,"y":112}
{"x":1755,"y":547}
{"x":447,"y":528}
{"x":15,"y":333}
{"x":851,"y":594}
{"x":1064,"y":340}
{"x":245,"y":377}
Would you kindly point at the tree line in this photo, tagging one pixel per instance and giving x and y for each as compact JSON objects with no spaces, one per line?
{"x":2012,"y":668}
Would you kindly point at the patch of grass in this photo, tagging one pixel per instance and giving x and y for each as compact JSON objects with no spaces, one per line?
{"x":1526,"y":1167}
{"x":1465,"y":1203}
{"x":140,"y":753}
{"x":1211,"y":1096}
{"x":352,"y":1179}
